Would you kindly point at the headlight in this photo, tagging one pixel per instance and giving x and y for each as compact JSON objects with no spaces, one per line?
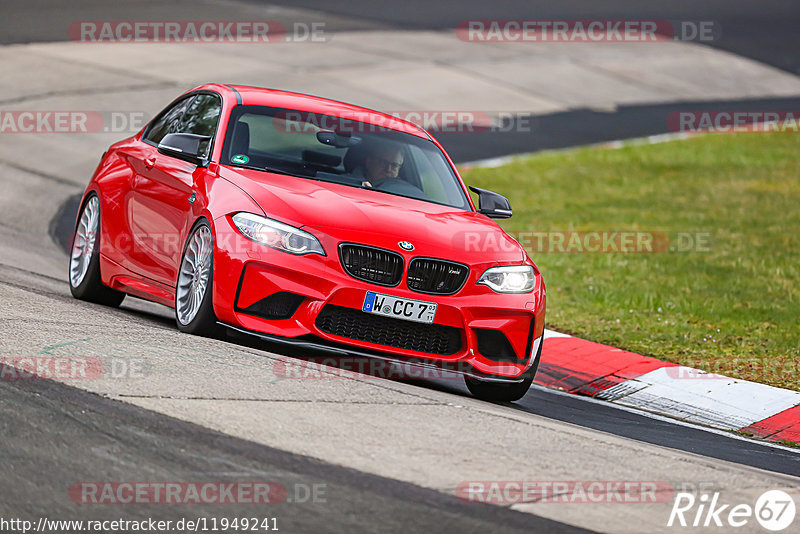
{"x":509,"y":279}
{"x":277,"y":235}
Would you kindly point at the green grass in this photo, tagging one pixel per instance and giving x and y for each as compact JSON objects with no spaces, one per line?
{"x":733,"y":308}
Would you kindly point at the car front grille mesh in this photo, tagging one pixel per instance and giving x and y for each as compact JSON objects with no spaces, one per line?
{"x":439,"y":277}
{"x":355,"y":324}
{"x":384,"y":267}
{"x":371,"y":264}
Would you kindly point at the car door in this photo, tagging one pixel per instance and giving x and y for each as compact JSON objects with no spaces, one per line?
{"x":164,"y":189}
{"x":141,"y":156}
{"x":131,"y":248}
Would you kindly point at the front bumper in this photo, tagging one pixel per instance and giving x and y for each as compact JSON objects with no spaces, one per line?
{"x":328,"y":309}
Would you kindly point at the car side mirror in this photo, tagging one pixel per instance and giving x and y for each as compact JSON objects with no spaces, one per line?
{"x":184,"y":146}
{"x":492,"y":204}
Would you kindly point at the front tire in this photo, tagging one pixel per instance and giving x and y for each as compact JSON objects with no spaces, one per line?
{"x":85,"y":282}
{"x":194,"y":309}
{"x":508,"y":392}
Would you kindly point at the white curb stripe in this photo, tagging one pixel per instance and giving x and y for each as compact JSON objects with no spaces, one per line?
{"x":668,"y":419}
{"x":702,"y":398}
{"x":552,"y":333}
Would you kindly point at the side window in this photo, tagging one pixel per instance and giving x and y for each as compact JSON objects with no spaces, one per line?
{"x":201,"y":117}
{"x":168,"y":122}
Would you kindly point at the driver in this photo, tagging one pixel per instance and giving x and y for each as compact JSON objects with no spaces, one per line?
{"x":382,"y":165}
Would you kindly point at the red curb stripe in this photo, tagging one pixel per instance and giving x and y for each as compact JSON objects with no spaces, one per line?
{"x":783,"y":425}
{"x":586,"y":368}
{"x":558,"y":377}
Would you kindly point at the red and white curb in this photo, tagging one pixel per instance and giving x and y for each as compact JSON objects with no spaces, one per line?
{"x":587,"y":368}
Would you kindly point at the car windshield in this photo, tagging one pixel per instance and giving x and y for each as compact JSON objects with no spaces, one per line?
{"x":341,"y":150}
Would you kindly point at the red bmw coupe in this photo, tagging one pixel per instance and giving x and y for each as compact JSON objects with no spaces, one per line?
{"x":311,"y":222}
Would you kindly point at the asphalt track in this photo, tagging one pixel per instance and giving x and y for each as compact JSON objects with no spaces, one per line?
{"x":761,"y":30}
{"x":48,"y":427}
{"x":54,"y":434}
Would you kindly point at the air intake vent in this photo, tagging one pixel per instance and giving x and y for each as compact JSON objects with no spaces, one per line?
{"x":281,"y":305}
{"x":370,"y":264}
{"x":494,"y":345}
{"x":408,"y":335}
{"x":438,"y":277}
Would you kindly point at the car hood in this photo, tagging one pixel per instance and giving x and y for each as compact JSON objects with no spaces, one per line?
{"x":371,"y":217}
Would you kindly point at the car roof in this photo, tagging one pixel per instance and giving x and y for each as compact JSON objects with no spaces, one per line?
{"x":261,"y":96}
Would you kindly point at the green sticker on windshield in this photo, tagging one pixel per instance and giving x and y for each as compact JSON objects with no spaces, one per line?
{"x":240,"y":158}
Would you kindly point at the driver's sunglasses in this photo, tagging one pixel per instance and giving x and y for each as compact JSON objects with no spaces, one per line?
{"x":389,"y":164}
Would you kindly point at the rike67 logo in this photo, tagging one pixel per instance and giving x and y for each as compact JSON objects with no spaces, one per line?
{"x":774,"y":510}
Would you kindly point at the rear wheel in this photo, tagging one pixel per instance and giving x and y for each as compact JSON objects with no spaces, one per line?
{"x":84,"y":259}
{"x":194,"y":309}
{"x":504,"y":392}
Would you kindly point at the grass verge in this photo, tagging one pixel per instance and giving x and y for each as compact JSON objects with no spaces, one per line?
{"x":723,"y":296}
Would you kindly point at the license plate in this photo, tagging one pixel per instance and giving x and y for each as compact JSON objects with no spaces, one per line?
{"x":400,"y":308}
